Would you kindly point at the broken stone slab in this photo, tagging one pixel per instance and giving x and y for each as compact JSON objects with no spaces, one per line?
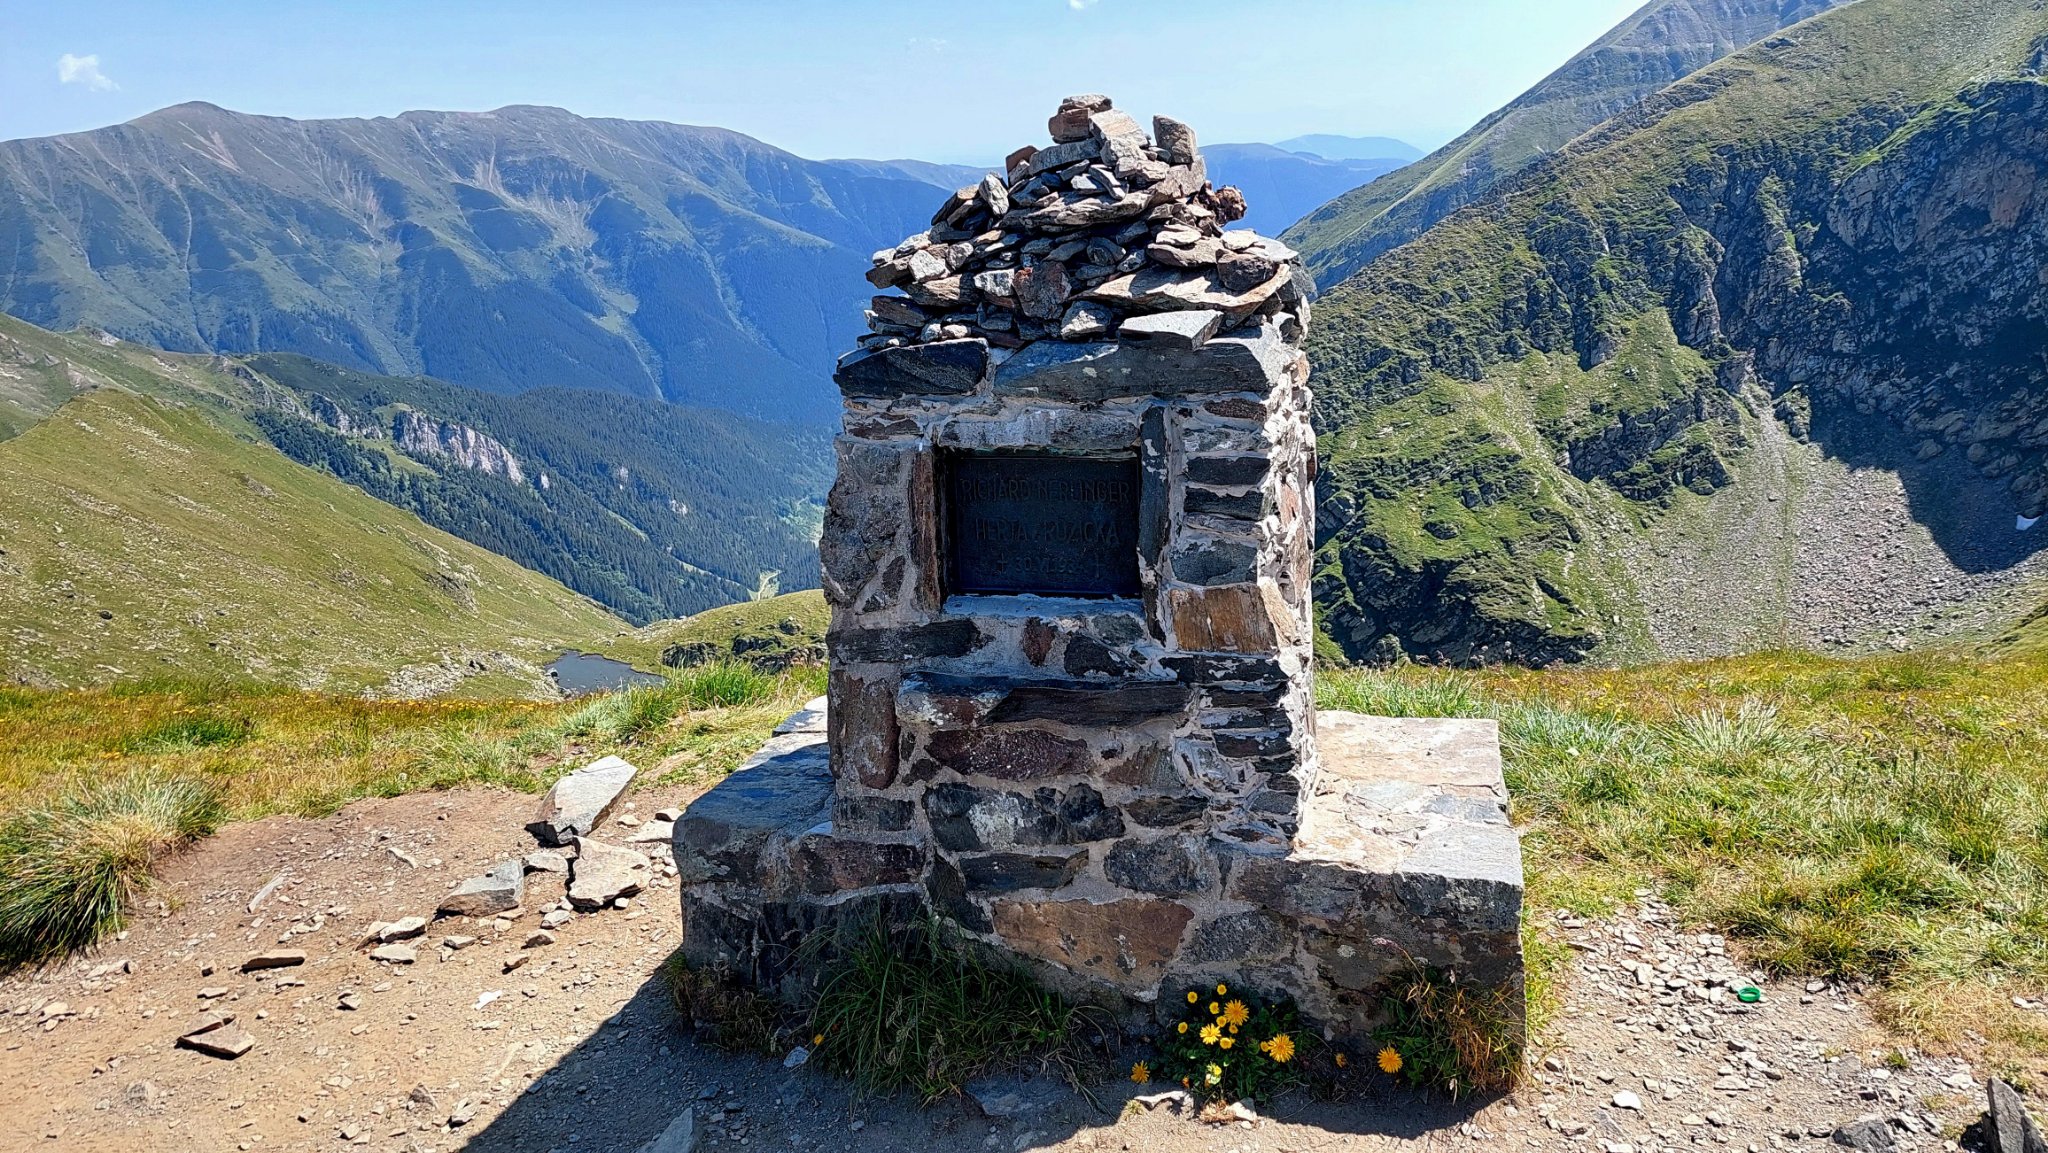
{"x":401,"y":929}
{"x":1070,"y":213}
{"x":274,"y":959}
{"x":941,"y":368}
{"x":1070,"y":122}
{"x":1054,"y":370}
{"x":546,"y":861}
{"x":941,"y":701}
{"x":1185,"y":331}
{"x":1167,"y":289}
{"x":395,"y":954}
{"x":504,"y":887}
{"x":2008,"y":1125}
{"x":581,"y":801}
{"x":604,"y":873}
{"x":216,"y":1035}
{"x":1176,"y":139}
{"x":1084,"y":319}
{"x":1009,"y":1095}
{"x":809,"y":719}
{"x":680,"y":1135}
{"x":652,"y":833}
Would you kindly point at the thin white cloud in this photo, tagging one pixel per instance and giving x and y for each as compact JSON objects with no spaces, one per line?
{"x":83,"y":70}
{"x":1081,"y":5}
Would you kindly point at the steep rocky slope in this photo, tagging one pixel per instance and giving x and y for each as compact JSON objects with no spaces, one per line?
{"x":1662,"y":42}
{"x":1829,"y":241}
{"x":505,"y":250}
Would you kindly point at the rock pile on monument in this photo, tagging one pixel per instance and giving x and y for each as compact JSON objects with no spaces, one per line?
{"x":1077,"y":238}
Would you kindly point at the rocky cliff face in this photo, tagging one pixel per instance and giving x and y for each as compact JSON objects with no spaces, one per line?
{"x":1834,"y":237}
{"x":424,"y":436}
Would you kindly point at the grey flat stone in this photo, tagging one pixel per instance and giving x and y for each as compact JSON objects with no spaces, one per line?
{"x":504,"y":887}
{"x":1057,"y":370}
{"x":783,"y":790}
{"x":679,"y":1137}
{"x":809,"y":719}
{"x":581,"y":801}
{"x":2010,"y":1128}
{"x":1187,"y":330}
{"x":603,"y":873}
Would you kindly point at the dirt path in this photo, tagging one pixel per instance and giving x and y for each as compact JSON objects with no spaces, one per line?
{"x":576,"y":1049}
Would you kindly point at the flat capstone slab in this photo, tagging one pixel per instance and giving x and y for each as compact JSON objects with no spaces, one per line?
{"x":784,"y":790}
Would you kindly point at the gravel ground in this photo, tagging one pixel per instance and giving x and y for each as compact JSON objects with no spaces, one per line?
{"x":576,"y":1048}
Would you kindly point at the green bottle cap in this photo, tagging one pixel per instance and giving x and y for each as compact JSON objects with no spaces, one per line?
{"x":1749,"y":994}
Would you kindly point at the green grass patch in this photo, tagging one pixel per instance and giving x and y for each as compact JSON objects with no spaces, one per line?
{"x":1882,"y":820}
{"x":916,"y":1010}
{"x":70,"y":868}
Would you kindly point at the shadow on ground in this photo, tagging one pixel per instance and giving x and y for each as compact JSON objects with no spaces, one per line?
{"x":622,"y":1086}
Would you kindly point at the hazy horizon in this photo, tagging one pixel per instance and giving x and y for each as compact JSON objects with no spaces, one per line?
{"x":817,"y":79}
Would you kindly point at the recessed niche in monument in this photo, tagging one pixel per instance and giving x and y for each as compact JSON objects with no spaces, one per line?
{"x":1043,"y":523}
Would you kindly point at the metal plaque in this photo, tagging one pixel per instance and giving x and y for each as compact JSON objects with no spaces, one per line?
{"x":1062,"y":526}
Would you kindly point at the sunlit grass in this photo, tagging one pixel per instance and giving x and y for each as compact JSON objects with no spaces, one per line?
{"x":98,"y":784}
{"x":1883,"y":820}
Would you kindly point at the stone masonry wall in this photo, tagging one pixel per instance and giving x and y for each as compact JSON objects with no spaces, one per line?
{"x":1123,"y":789}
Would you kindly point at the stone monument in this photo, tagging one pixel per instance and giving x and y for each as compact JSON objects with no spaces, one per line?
{"x":1070,"y":706}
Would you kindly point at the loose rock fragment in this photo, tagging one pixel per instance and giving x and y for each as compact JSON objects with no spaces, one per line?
{"x":504,"y":887}
{"x":582,"y":800}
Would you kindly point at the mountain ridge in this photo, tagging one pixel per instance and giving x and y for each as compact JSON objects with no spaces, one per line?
{"x":1661,"y":42}
{"x":508,"y":249}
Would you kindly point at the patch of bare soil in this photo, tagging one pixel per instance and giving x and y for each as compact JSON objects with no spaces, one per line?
{"x":576,"y":1049}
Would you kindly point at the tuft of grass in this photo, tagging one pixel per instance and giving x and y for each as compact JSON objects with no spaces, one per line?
{"x":917,"y":1009}
{"x":1451,"y":1035}
{"x":723,"y":1012}
{"x":191,"y":731}
{"x":71,"y":867}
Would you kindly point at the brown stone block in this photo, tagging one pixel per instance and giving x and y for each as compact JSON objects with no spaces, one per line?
{"x":862,"y":720}
{"x":1010,"y":754}
{"x":1239,"y":618}
{"x":1129,"y":943}
{"x":826,"y":864}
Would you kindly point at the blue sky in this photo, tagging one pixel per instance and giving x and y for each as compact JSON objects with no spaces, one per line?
{"x":880,"y":78}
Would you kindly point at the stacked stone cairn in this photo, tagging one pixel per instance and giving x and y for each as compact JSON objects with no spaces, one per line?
{"x":1105,"y":224}
{"x":1125,"y":784}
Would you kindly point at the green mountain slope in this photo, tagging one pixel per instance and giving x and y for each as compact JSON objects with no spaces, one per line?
{"x":507,"y":250}
{"x":1662,"y":42}
{"x":1765,"y":348}
{"x":143,"y":534}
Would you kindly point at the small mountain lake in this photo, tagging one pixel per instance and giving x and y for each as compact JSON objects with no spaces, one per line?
{"x":578,"y":673}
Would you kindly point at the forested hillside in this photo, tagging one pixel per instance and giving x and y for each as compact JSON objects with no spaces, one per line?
{"x":653,"y":509}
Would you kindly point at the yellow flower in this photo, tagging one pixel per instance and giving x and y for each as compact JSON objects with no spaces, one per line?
{"x":1141,"y":1072}
{"x":1215,"y":1074}
{"x":1210,"y":1033}
{"x":1280,"y":1048}
{"x":1233,"y":1030}
{"x":1226,"y":1042}
{"x":1390,"y":1061}
{"x":1222,"y":989}
{"x":1342,"y":1061}
{"x":817,"y":1040}
{"x":1215,"y":1010}
{"x":1183,"y":1026}
{"x":1193,"y":997}
{"x":1235,"y":1013}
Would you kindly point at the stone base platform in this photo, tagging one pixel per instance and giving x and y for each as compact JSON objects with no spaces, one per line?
{"x":1404,"y":856}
